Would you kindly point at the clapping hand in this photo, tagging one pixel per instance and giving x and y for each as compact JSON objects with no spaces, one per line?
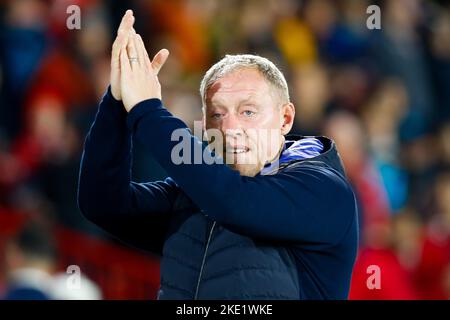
{"x":134,"y":77}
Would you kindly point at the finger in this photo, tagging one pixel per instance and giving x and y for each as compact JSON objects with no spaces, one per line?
{"x":117,"y":45}
{"x":159,"y":59}
{"x":132,"y":51}
{"x":143,"y":55}
{"x":127,"y":22}
{"x":125,"y":66}
{"x":125,"y":27}
{"x":139,"y":51}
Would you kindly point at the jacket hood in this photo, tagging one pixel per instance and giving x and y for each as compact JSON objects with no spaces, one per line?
{"x":299,"y":148}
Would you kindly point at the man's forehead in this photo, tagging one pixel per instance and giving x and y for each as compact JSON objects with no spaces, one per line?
{"x":246,"y":83}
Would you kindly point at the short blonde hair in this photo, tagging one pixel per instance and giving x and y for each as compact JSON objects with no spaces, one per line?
{"x":230,"y":63}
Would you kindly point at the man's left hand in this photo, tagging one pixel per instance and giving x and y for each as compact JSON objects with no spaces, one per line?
{"x":139,"y":76}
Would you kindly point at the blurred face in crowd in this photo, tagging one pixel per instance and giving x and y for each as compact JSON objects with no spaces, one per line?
{"x":252,"y":118}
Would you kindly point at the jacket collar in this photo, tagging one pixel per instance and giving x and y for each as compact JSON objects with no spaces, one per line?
{"x":299,"y":148}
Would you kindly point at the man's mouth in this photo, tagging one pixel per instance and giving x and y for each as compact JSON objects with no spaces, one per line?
{"x":237,"y":149}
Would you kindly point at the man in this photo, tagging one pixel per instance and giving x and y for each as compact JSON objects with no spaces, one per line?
{"x":270,"y":219}
{"x":30,"y":259}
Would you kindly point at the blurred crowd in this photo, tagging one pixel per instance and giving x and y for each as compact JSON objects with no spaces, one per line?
{"x":382,"y":95}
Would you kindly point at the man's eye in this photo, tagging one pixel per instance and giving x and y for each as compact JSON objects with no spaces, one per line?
{"x":216,"y":115}
{"x":248,"y":113}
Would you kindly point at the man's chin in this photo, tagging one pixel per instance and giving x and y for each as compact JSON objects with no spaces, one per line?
{"x":249,"y":170}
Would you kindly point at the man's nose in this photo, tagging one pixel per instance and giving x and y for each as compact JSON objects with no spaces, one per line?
{"x":231,"y":125}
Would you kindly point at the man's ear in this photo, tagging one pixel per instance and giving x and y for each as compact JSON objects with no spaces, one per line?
{"x":288,"y":116}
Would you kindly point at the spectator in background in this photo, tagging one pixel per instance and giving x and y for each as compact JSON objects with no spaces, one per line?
{"x":439,"y":46}
{"x":23,"y":44}
{"x":382,"y":116}
{"x":395,"y":281}
{"x":30,"y":261}
{"x":396,"y":49}
{"x":433,"y":268}
{"x":43,"y":155}
{"x":312,"y":92}
{"x":350,"y":137}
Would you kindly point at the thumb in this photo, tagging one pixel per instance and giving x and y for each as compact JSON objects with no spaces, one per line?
{"x":159,"y":59}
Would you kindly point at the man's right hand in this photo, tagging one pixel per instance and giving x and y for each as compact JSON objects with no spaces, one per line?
{"x":125,"y":28}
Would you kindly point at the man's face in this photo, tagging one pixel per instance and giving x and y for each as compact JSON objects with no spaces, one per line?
{"x":252,"y":120}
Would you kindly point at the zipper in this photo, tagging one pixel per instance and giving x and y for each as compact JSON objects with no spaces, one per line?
{"x":203,"y":261}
